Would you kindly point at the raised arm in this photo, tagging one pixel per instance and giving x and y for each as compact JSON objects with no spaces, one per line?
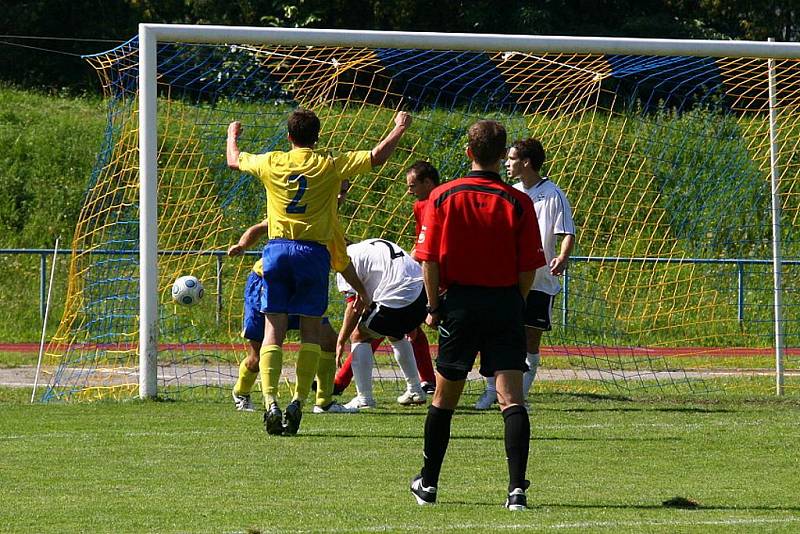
{"x":384,"y":149}
{"x":249,"y":238}
{"x":232,"y":145}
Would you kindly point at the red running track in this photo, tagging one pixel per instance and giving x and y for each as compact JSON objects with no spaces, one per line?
{"x":561,"y":350}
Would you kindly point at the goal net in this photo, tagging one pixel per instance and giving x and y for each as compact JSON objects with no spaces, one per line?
{"x":665,"y":160}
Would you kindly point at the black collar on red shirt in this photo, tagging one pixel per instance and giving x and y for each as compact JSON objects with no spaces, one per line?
{"x":489,"y":175}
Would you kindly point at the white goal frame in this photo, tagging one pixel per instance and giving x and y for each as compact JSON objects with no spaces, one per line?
{"x":151,"y":34}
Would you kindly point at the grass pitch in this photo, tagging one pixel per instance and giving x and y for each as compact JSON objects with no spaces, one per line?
{"x":598,"y":463}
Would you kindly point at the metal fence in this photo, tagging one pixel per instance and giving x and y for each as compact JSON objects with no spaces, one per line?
{"x":219,"y":256}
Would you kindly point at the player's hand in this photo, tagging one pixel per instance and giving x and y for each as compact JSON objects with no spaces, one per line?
{"x":236,"y":250}
{"x":402,"y":120}
{"x":235,"y":129}
{"x":558,"y":265}
{"x":432,"y":320}
{"x":361,"y":303}
{"x":341,"y":351}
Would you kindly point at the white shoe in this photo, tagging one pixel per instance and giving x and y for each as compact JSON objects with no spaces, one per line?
{"x":412,"y":397}
{"x":333,"y":407}
{"x":360,"y":403}
{"x":243,"y":402}
{"x":486,"y":400}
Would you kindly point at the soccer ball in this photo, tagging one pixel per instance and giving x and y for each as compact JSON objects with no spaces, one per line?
{"x":187,"y":290}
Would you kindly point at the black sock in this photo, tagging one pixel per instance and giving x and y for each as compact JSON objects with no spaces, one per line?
{"x":517,"y":440}
{"x":437,"y":436}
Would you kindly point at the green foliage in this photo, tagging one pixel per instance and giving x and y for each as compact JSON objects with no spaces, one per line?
{"x":118,"y":20}
{"x":47,"y":148}
{"x":597,"y":463}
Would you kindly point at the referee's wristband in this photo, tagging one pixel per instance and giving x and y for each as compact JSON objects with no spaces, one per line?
{"x":431,"y":311}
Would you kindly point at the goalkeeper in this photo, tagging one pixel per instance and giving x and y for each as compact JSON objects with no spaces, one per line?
{"x":301,"y":185}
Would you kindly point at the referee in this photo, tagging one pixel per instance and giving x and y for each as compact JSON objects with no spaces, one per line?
{"x":480,"y":247}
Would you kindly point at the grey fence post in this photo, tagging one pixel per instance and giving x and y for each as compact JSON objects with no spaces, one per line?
{"x":42,"y":284}
{"x":565,"y":304}
{"x":219,"y":288}
{"x":740,"y":291}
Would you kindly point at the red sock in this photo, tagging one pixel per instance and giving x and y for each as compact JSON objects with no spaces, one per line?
{"x":345,"y":373}
{"x":422,"y":353}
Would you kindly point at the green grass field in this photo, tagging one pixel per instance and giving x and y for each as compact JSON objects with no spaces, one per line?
{"x":598,"y":463}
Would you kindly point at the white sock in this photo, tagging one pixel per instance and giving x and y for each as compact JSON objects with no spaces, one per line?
{"x":530,"y":376}
{"x":491,"y":384}
{"x":404,"y":354}
{"x":362,"y":368}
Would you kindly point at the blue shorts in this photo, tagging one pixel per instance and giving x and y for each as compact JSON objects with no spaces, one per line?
{"x":298,"y":277}
{"x":253,"y":319}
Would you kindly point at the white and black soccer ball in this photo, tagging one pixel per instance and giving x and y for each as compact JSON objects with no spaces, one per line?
{"x":187,"y":290}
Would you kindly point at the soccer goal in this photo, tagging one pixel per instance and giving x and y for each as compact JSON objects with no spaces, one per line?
{"x":679,"y":159}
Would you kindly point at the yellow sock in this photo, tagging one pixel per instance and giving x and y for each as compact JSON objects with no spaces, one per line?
{"x":306,"y":368}
{"x":326,"y":372}
{"x":270,"y":364}
{"x":244,"y":385}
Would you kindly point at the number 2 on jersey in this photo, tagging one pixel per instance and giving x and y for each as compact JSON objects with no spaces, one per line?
{"x":294,"y":206}
{"x":393,"y":254}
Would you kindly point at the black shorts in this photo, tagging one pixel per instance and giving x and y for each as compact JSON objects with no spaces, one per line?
{"x":481,"y":319}
{"x":538,"y":310}
{"x":395,"y":322}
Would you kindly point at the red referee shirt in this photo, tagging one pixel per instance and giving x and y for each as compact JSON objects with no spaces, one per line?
{"x":481,"y":231}
{"x":419,"y":211}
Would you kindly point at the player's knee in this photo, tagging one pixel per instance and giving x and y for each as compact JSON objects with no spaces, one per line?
{"x":454,"y":375}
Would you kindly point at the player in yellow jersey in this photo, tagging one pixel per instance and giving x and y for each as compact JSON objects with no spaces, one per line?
{"x":302,"y":186}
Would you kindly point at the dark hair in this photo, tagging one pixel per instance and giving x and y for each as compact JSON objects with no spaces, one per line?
{"x":487,"y":141}
{"x":303,"y":127}
{"x":531,"y":149}
{"x":423,"y":169}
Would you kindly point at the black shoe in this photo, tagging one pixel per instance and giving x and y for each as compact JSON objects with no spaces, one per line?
{"x":273,"y":420}
{"x":516,"y":500}
{"x":337,"y":391}
{"x":424,"y":495}
{"x":429,"y":388}
{"x":291,"y":418}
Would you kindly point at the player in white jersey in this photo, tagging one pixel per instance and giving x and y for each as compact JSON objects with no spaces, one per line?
{"x":524,"y":162}
{"x":393,"y":280}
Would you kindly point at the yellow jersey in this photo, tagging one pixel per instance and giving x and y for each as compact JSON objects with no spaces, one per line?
{"x":336,"y":247}
{"x":302,"y":186}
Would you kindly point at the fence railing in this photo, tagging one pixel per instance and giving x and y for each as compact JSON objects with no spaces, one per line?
{"x":219,"y":255}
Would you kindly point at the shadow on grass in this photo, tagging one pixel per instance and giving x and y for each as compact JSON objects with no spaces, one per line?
{"x":652,"y":507}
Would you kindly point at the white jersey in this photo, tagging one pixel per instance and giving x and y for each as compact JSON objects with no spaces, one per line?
{"x":389,"y":274}
{"x":555,"y":218}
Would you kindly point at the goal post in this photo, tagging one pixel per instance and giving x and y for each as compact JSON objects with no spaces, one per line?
{"x":663,"y":148}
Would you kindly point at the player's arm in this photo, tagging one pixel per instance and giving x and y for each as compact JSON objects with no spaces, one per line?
{"x":430,"y":276}
{"x":349,"y":323}
{"x":232,"y":145}
{"x":559,"y":264}
{"x":249,"y":238}
{"x":361,"y":299}
{"x":525,"y":282}
{"x":383,"y":150}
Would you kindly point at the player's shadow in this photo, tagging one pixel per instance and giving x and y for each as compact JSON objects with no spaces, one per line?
{"x":654,"y":506}
{"x":670,"y":409}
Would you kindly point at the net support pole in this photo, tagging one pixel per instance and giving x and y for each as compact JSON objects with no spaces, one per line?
{"x":148,"y":215}
{"x":777,"y":259}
